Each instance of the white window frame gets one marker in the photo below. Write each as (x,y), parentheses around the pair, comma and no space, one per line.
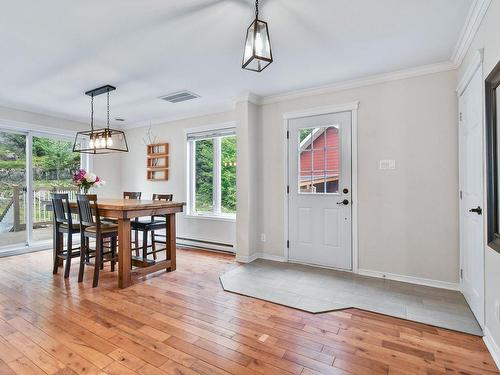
(216,213)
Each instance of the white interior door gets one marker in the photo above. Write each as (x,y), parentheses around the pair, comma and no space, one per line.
(319,151)
(471,195)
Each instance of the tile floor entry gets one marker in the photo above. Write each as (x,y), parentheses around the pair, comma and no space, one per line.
(319,290)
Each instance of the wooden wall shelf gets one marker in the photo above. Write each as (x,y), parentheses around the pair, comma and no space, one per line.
(157,162)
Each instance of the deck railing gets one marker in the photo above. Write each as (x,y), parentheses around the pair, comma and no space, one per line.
(42,205)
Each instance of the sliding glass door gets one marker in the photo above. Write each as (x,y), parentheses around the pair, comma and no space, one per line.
(32,167)
(53,165)
(12,189)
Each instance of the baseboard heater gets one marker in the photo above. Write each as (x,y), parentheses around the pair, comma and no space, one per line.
(202,244)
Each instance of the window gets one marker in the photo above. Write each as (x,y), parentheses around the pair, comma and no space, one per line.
(212,173)
(319,160)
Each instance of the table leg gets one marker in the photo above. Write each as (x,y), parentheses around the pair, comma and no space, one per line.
(171,246)
(124,253)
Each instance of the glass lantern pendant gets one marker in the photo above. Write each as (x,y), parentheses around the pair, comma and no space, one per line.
(104,140)
(258,54)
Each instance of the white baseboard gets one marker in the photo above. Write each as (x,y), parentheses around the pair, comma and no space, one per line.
(259,255)
(410,279)
(205,245)
(492,346)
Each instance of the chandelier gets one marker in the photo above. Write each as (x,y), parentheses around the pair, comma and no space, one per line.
(258,54)
(104,140)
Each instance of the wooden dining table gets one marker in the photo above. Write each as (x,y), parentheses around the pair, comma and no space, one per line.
(123,210)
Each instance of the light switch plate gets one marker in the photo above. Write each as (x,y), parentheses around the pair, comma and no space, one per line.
(387,164)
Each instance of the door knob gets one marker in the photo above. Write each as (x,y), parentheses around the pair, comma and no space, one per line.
(345,202)
(477,210)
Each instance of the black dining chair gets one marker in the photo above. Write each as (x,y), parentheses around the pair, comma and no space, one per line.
(92,227)
(63,225)
(152,225)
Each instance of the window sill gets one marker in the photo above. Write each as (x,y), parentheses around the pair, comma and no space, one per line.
(227,218)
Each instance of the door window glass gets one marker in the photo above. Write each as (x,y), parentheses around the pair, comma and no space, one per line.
(319,160)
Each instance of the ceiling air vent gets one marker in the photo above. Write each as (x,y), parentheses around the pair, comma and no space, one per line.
(180,96)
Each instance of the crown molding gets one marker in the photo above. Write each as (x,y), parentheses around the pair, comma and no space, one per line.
(180,117)
(361,82)
(476,14)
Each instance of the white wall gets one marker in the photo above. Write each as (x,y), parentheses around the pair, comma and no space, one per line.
(133,174)
(487,37)
(408,218)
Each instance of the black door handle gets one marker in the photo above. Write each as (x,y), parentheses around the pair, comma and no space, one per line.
(477,210)
(345,202)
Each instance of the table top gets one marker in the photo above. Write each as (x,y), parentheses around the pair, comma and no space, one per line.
(120,204)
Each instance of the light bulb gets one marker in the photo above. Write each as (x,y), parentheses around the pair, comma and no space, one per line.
(91,143)
(109,141)
(98,142)
(259,45)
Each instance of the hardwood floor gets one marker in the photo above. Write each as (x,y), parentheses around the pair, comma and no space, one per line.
(184,323)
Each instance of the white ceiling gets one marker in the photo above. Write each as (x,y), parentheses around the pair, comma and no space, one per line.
(54,50)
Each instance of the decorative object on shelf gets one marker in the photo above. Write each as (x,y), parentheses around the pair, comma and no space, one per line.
(85,180)
(258,54)
(104,140)
(151,139)
(157,162)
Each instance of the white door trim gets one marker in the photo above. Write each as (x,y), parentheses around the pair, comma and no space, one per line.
(346,107)
(475,65)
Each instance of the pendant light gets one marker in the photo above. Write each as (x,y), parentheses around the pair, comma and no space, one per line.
(258,54)
(100,141)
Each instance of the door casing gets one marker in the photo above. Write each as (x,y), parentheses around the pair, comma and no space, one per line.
(346,107)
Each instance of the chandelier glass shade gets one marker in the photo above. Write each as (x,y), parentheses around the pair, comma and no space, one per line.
(104,140)
(258,54)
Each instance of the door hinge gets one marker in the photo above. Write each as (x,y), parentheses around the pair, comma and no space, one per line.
(287,244)
(288,189)
(288,134)
(460,194)
(460,117)
(461,273)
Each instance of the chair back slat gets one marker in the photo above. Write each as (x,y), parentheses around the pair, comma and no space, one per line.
(162,197)
(87,208)
(132,195)
(62,211)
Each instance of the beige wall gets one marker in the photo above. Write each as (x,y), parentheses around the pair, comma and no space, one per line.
(408,218)
(133,174)
(487,37)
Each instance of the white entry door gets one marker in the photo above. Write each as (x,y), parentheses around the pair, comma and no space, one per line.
(471,195)
(319,149)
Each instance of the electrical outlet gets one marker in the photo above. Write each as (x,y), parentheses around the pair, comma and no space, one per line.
(263,237)
(497,311)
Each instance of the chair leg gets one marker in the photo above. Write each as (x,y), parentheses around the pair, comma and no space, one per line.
(87,245)
(102,249)
(136,242)
(56,252)
(98,260)
(153,244)
(83,257)
(69,251)
(145,245)
(113,253)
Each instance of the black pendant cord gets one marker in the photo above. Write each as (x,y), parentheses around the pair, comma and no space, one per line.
(92,114)
(256,9)
(108,111)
